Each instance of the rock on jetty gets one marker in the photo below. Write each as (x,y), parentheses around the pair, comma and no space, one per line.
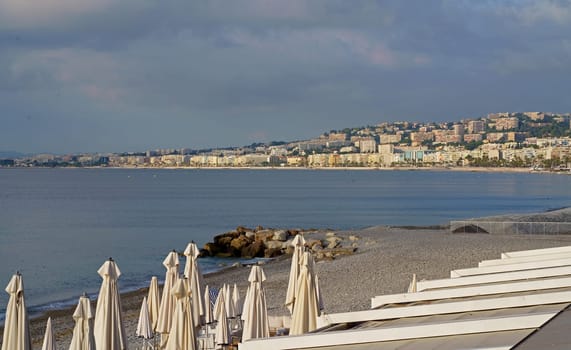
(270,243)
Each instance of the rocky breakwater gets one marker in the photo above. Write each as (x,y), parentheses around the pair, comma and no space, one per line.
(270,243)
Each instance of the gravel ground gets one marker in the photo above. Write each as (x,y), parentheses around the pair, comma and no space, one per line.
(383,264)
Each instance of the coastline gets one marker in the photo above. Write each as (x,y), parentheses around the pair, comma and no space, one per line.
(384,262)
(400,168)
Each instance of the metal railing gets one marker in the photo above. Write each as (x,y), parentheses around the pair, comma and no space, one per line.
(511,227)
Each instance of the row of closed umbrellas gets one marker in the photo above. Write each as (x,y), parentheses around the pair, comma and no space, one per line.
(183,309)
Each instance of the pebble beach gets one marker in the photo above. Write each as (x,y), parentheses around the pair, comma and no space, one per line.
(385,259)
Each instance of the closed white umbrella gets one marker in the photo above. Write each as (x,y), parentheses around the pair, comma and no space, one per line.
(153,302)
(237,301)
(317,289)
(182,335)
(412,286)
(222,335)
(298,244)
(230,311)
(255,314)
(144,329)
(83,338)
(208,317)
(49,342)
(196,281)
(16,324)
(168,301)
(306,307)
(108,329)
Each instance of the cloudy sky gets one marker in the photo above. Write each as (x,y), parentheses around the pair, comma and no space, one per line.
(132,75)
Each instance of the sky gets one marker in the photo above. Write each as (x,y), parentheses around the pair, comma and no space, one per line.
(133,75)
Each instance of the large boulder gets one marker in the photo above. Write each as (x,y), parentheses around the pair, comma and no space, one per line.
(280,235)
(264,235)
(254,250)
(293,232)
(311,242)
(332,242)
(274,245)
(272,252)
(224,239)
(243,230)
(239,243)
(211,249)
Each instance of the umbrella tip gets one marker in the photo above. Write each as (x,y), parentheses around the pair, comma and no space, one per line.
(18,273)
(110,259)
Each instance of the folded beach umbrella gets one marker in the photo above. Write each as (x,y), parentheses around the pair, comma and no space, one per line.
(108,329)
(16,324)
(222,335)
(196,281)
(168,301)
(255,314)
(412,285)
(144,329)
(306,308)
(182,335)
(317,289)
(153,302)
(230,311)
(208,317)
(298,244)
(83,338)
(237,301)
(49,342)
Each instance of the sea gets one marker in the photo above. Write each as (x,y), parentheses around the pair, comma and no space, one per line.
(58,226)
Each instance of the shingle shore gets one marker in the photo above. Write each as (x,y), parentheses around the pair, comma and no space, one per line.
(384,263)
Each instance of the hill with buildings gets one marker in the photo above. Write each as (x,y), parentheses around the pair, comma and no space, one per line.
(537,140)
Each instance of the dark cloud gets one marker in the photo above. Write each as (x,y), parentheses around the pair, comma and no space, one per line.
(112,75)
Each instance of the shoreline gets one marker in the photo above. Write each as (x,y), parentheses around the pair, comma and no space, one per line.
(383,263)
(44,314)
(403,168)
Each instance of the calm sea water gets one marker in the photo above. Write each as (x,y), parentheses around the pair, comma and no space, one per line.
(57,226)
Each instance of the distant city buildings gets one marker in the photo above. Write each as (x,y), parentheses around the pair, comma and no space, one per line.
(528,139)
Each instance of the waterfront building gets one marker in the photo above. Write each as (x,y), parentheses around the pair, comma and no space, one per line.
(368,145)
